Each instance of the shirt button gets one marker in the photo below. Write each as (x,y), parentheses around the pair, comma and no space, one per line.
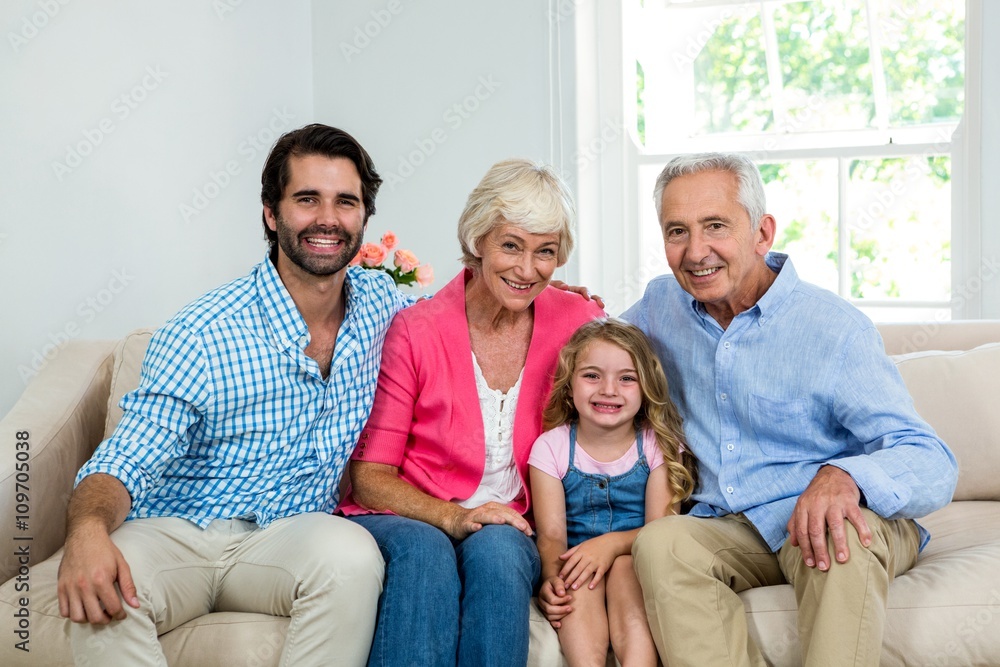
(730,447)
(723,396)
(729,489)
(726,345)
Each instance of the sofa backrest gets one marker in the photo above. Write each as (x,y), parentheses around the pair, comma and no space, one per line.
(954,390)
(129,354)
(906,338)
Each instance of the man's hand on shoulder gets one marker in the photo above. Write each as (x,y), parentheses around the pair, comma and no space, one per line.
(90,567)
(831,498)
(578,289)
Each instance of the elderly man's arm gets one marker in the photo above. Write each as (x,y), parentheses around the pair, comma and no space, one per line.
(906,471)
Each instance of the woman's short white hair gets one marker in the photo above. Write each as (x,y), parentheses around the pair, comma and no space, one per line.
(751,187)
(521,193)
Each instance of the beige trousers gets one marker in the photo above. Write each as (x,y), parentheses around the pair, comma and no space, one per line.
(324,572)
(691,570)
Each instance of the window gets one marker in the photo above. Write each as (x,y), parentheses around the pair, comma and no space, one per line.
(848,106)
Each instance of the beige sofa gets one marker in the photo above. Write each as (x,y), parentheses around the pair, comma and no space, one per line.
(946,611)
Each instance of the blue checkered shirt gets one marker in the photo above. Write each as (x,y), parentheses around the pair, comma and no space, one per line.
(231,419)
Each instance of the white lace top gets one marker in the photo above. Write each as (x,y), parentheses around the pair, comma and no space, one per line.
(500,482)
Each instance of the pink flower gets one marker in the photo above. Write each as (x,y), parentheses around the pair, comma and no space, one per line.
(389,240)
(425,275)
(405,260)
(372,254)
(357,259)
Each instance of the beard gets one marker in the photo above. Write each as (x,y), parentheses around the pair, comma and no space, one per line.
(292,245)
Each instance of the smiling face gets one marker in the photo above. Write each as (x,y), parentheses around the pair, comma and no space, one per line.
(320,217)
(517,265)
(714,253)
(605,387)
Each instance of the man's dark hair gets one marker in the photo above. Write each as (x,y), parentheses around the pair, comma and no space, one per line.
(315,139)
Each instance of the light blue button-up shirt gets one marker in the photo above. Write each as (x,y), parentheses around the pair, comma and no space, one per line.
(231,419)
(798,381)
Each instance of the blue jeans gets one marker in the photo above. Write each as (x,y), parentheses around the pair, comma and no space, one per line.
(448,602)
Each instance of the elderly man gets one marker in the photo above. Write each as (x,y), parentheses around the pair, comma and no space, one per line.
(812,462)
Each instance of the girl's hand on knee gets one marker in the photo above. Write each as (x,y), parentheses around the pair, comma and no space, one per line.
(589,561)
(554,600)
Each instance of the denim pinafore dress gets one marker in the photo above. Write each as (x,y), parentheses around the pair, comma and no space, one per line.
(598,504)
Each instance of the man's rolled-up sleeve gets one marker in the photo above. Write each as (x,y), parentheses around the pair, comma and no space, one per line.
(174,389)
(907,471)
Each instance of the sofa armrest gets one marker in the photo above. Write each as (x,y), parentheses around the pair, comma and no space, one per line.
(62,410)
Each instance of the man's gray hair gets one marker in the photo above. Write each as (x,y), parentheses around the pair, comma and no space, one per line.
(751,187)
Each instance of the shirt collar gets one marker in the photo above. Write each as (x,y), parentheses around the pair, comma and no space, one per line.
(784,284)
(281,315)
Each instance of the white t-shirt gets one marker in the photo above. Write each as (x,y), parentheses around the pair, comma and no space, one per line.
(501,482)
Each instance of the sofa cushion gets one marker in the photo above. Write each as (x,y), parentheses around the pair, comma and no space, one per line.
(129,354)
(956,393)
(943,611)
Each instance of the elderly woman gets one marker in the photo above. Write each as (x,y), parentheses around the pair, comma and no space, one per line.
(440,475)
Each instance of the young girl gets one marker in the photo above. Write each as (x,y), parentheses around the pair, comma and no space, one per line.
(611,460)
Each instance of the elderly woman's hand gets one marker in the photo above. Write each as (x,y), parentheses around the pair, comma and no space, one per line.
(464,521)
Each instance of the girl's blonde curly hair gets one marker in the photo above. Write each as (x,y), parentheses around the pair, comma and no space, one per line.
(657,411)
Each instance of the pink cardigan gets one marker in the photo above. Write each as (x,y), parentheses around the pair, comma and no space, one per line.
(426,419)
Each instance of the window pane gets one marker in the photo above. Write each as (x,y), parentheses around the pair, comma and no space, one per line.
(730,76)
(802,196)
(899,213)
(825,65)
(923,55)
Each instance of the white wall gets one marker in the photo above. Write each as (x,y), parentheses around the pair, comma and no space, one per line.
(989,177)
(437,92)
(99,247)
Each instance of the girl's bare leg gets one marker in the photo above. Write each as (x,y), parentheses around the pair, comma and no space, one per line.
(630,637)
(584,632)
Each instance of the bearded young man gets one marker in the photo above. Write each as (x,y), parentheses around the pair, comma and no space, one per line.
(215,492)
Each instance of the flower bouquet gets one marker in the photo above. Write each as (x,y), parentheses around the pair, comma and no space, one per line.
(406,268)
